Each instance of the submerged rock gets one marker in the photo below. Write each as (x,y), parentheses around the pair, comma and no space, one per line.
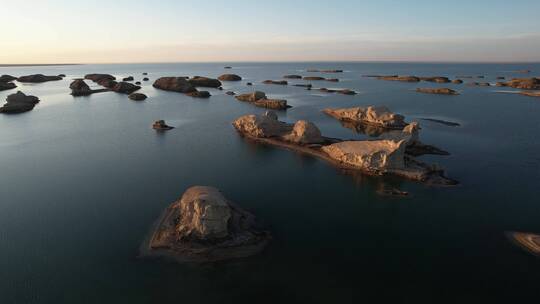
(203,226)
(205,82)
(441,91)
(137,96)
(175,84)
(7,86)
(378,116)
(230,77)
(19,103)
(160,125)
(7,78)
(38,78)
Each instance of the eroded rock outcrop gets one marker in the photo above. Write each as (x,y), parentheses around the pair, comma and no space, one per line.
(440,91)
(529,93)
(19,103)
(378,116)
(457,81)
(230,77)
(199,94)
(129,78)
(38,78)
(99,77)
(382,156)
(259,99)
(203,226)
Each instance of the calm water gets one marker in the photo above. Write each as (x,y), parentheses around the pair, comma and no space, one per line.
(83,179)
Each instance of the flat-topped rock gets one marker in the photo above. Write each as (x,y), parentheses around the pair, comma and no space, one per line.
(7,86)
(205,82)
(137,96)
(229,77)
(160,125)
(175,84)
(259,99)
(367,155)
(38,78)
(400,78)
(292,77)
(19,103)
(7,78)
(99,77)
(277,82)
(203,226)
(523,83)
(440,91)
(379,116)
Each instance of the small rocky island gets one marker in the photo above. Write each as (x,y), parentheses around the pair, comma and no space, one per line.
(259,99)
(160,125)
(204,226)
(38,78)
(19,103)
(392,155)
(439,91)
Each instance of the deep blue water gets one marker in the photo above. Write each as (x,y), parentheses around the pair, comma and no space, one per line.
(83,179)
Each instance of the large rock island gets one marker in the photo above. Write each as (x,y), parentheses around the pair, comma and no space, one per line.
(203,226)
(376,157)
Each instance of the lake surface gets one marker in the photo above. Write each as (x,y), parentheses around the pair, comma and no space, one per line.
(83,179)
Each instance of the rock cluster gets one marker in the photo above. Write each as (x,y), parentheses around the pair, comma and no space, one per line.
(38,78)
(204,226)
(259,99)
(437,79)
(400,78)
(378,116)
(19,103)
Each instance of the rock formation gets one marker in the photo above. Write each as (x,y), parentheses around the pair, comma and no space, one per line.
(259,99)
(437,79)
(457,81)
(80,88)
(400,78)
(383,156)
(125,88)
(137,96)
(129,78)
(324,71)
(527,241)
(278,82)
(7,86)
(529,93)
(249,84)
(145,79)
(523,83)
(99,77)
(377,116)
(314,78)
(441,91)
(7,78)
(343,91)
(199,94)
(160,125)
(38,78)
(292,77)
(230,93)
(175,84)
(205,82)
(230,77)
(203,226)
(19,103)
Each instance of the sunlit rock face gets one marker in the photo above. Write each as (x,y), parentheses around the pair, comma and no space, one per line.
(379,116)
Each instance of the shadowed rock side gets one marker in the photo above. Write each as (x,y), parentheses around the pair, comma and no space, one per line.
(522,83)
(527,241)
(377,116)
(203,226)
(440,91)
(38,78)
(259,99)
(7,78)
(19,103)
(443,122)
(230,77)
(80,88)
(386,156)
(7,86)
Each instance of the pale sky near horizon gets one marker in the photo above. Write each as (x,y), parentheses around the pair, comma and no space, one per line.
(64,31)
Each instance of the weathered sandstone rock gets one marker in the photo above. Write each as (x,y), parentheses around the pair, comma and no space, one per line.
(304,132)
(441,91)
(19,103)
(523,83)
(261,126)
(38,78)
(204,226)
(230,77)
(529,93)
(251,97)
(378,116)
(175,84)
(457,81)
(259,99)
(366,155)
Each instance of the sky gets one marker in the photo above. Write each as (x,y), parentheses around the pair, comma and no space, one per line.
(97,31)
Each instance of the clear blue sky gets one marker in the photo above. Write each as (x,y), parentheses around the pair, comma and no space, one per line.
(213,30)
